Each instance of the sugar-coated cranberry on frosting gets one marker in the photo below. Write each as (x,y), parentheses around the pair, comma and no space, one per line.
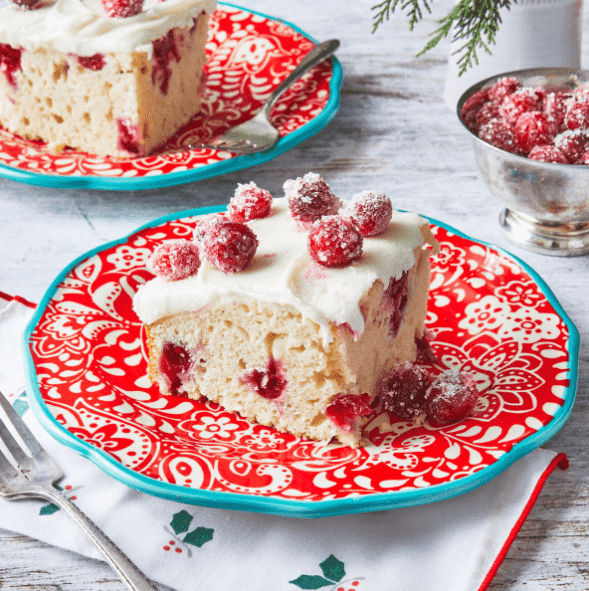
(334,241)
(309,198)
(230,246)
(249,202)
(121,8)
(205,224)
(371,211)
(174,260)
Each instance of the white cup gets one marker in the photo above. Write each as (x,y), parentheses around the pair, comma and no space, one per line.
(533,34)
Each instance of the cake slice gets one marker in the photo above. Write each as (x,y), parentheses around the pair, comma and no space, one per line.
(289,342)
(105,85)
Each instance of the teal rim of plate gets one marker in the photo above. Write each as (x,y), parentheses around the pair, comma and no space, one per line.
(202,172)
(286,507)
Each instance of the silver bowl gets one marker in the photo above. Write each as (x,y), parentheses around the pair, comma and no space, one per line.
(547,204)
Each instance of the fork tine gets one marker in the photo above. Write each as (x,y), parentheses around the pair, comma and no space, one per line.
(11,443)
(7,470)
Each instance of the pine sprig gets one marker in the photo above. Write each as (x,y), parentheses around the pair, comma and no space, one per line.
(475,22)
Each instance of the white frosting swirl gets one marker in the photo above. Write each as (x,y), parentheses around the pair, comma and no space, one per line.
(282,272)
(79,27)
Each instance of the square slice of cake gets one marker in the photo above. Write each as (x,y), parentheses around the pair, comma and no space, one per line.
(74,77)
(288,341)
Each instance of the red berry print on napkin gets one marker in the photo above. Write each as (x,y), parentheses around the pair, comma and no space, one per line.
(333,573)
(180,524)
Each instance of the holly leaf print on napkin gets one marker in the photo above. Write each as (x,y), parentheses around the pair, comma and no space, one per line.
(333,571)
(180,524)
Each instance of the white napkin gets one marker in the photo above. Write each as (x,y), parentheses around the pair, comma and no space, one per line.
(455,544)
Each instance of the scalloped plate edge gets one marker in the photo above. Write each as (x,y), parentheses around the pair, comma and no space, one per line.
(285,507)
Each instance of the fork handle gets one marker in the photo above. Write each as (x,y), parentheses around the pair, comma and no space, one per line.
(133,578)
(314,57)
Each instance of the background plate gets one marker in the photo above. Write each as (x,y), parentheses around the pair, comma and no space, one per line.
(248,55)
(488,312)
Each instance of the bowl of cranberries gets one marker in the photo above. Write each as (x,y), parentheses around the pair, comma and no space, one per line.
(530,131)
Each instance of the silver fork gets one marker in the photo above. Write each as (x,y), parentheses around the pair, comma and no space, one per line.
(258,134)
(34,477)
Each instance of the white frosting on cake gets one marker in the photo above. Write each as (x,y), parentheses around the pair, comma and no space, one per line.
(283,273)
(79,27)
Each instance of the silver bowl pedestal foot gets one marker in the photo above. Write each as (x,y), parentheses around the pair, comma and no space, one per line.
(559,239)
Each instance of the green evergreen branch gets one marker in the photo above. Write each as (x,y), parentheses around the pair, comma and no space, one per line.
(475,22)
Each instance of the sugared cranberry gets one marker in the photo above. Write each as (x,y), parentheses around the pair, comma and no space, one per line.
(532,129)
(121,8)
(395,298)
(26,4)
(249,203)
(309,198)
(230,246)
(554,106)
(334,241)
(402,391)
(175,260)
(204,225)
(577,115)
(371,212)
(572,144)
(521,101)
(584,159)
(503,88)
(500,134)
(344,410)
(472,105)
(10,63)
(174,364)
(269,383)
(92,62)
(450,398)
(164,51)
(486,113)
(547,153)
(129,137)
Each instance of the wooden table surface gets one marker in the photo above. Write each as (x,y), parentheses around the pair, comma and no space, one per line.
(393,133)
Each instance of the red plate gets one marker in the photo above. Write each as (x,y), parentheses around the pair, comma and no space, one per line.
(488,314)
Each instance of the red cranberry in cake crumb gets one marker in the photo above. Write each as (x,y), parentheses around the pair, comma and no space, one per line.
(577,115)
(128,137)
(249,203)
(371,212)
(503,88)
(309,198)
(402,391)
(10,63)
(164,51)
(174,364)
(532,129)
(269,383)
(344,410)
(521,101)
(450,398)
(121,8)
(91,62)
(395,298)
(547,153)
(230,246)
(500,134)
(205,223)
(572,144)
(334,241)
(26,4)
(175,260)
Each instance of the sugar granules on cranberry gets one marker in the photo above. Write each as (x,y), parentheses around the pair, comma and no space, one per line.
(121,8)
(371,212)
(230,246)
(309,198)
(344,410)
(502,88)
(519,102)
(572,143)
(402,391)
(533,129)
(334,241)
(249,203)
(174,260)
(450,398)
(205,224)
(547,153)
(500,134)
